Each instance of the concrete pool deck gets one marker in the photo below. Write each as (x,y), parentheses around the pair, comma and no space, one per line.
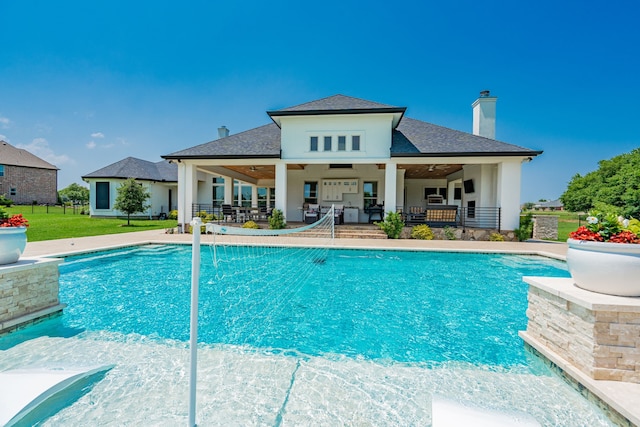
(625,395)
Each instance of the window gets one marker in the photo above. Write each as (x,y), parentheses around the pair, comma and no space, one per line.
(241,194)
(262,197)
(370,189)
(439,191)
(102,195)
(313,143)
(340,166)
(13,192)
(471,209)
(218,191)
(355,143)
(457,193)
(1,170)
(342,143)
(327,143)
(311,192)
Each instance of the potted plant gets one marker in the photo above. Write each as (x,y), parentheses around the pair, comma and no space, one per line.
(13,237)
(604,255)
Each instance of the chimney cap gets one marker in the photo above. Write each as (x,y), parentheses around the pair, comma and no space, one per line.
(484,93)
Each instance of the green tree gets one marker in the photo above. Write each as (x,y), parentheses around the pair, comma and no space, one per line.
(615,183)
(75,193)
(131,198)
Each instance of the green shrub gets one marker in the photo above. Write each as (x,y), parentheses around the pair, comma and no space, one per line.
(392,225)
(496,237)
(173,214)
(525,231)
(276,220)
(209,218)
(5,201)
(449,233)
(634,226)
(422,232)
(203,214)
(250,224)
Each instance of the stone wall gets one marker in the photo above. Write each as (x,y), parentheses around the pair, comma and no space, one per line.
(602,341)
(28,288)
(545,227)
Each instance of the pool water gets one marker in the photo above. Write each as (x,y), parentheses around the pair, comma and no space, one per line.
(290,335)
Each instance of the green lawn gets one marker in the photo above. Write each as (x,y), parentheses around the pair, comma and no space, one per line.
(54,222)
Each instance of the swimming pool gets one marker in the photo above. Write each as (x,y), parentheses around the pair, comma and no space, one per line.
(359,337)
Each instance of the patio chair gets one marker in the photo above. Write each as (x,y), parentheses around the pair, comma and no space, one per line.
(312,214)
(228,213)
(338,214)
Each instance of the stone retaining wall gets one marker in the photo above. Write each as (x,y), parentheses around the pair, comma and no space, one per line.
(28,287)
(600,338)
(545,227)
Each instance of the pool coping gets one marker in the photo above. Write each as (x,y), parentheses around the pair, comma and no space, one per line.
(607,391)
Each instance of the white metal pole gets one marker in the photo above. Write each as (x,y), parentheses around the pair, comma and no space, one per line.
(195,279)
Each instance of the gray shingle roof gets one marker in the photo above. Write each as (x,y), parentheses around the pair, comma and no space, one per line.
(337,102)
(138,169)
(410,138)
(417,138)
(10,155)
(263,141)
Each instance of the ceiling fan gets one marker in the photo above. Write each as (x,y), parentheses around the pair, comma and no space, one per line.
(439,167)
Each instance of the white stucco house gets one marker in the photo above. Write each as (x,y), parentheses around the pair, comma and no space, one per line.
(159,179)
(362,155)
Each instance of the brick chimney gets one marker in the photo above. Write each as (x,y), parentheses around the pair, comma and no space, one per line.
(484,115)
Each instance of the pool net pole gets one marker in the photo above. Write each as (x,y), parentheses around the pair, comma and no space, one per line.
(193,345)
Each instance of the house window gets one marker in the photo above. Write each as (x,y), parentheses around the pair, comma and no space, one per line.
(438,191)
(471,209)
(311,192)
(355,143)
(457,193)
(327,143)
(241,194)
(342,143)
(1,170)
(13,192)
(102,195)
(262,197)
(218,191)
(370,189)
(313,143)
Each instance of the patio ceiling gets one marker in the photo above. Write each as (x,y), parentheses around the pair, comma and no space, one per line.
(427,171)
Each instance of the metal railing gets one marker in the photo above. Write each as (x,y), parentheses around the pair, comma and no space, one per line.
(465,217)
(480,217)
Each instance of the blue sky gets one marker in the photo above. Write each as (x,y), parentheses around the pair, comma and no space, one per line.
(85,84)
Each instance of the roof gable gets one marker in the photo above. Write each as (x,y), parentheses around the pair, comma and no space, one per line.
(132,167)
(10,155)
(337,102)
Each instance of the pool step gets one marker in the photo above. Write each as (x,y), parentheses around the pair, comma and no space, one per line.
(363,231)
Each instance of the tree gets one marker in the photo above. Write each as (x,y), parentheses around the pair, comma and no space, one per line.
(615,183)
(75,193)
(131,198)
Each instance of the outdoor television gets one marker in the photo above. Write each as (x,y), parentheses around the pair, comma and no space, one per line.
(468,186)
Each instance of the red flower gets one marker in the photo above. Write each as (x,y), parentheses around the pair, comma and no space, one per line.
(583,233)
(624,237)
(16,220)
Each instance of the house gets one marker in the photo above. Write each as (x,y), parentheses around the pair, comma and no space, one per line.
(159,179)
(26,178)
(363,155)
(549,205)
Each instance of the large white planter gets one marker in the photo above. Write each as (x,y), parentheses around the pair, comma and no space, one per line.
(13,240)
(606,268)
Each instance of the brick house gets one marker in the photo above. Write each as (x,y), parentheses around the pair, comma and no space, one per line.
(26,178)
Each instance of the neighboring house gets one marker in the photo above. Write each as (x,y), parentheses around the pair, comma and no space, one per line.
(553,205)
(160,180)
(360,154)
(26,178)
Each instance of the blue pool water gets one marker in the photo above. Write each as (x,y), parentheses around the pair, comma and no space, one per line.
(396,305)
(298,336)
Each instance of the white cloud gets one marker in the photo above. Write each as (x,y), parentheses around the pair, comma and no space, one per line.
(91,145)
(4,122)
(40,147)
(4,138)
(97,135)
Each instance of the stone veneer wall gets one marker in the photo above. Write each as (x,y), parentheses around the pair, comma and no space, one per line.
(604,344)
(545,227)
(26,288)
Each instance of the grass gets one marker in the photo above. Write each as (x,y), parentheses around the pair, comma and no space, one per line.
(55,222)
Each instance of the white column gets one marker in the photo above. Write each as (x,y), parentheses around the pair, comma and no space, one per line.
(509,193)
(281,187)
(228,190)
(182,194)
(390,180)
(254,196)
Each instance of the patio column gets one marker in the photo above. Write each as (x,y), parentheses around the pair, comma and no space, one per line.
(228,190)
(254,196)
(390,181)
(281,188)
(509,194)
